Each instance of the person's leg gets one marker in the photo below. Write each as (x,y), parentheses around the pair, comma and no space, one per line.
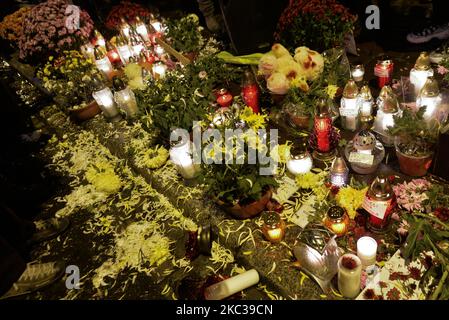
(12,266)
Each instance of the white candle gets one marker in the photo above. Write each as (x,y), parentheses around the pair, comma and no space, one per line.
(431,104)
(181,156)
(300,166)
(418,78)
(126,100)
(105,66)
(105,101)
(159,70)
(228,287)
(349,275)
(349,112)
(357,74)
(367,250)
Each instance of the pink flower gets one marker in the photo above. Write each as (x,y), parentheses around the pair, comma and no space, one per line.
(442,70)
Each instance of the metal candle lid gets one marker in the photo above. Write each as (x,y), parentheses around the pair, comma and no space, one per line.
(339,165)
(118,84)
(423,61)
(335,212)
(365,92)
(430,88)
(271,219)
(390,104)
(351,90)
(385,92)
(381,189)
(205,239)
(98,53)
(364,140)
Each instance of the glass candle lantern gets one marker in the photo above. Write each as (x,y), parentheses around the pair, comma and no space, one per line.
(102,62)
(142,30)
(420,72)
(349,109)
(339,172)
(99,40)
(337,220)
(384,93)
(367,250)
(380,203)
(125,28)
(123,49)
(322,125)
(383,70)
(125,98)
(113,54)
(273,227)
(159,70)
(158,50)
(357,72)
(105,99)
(224,98)
(365,104)
(250,91)
(136,43)
(364,152)
(385,119)
(181,156)
(349,275)
(430,98)
(300,162)
(157,26)
(88,51)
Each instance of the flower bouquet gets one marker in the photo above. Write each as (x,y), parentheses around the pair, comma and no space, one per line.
(11,25)
(46,29)
(318,24)
(68,77)
(128,11)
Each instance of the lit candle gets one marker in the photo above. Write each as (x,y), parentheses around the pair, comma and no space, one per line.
(299,163)
(125,98)
(357,73)
(125,28)
(420,72)
(158,50)
(337,220)
(349,109)
(159,69)
(349,275)
(385,119)
(366,250)
(99,39)
(102,62)
(224,98)
(181,156)
(429,97)
(88,51)
(141,29)
(274,227)
(339,172)
(105,99)
(228,287)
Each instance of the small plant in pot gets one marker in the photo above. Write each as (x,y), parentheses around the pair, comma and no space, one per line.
(232,169)
(415,141)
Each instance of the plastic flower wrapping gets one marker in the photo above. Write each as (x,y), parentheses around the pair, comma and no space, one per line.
(45,29)
(127,10)
(11,26)
(283,71)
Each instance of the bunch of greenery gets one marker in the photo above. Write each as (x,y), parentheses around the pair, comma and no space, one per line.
(233,182)
(185,34)
(186,95)
(417,136)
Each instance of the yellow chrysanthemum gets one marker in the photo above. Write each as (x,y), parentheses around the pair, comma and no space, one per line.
(331,90)
(351,199)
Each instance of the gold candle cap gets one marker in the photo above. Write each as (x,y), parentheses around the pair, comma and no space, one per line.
(390,104)
(381,188)
(430,88)
(385,92)
(99,53)
(423,61)
(365,93)
(351,90)
(339,165)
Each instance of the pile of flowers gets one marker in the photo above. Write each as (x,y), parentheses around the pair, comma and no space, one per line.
(45,29)
(68,76)
(282,71)
(318,24)
(11,26)
(128,11)
(411,196)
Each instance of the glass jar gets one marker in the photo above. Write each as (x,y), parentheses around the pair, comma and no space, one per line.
(337,220)
(349,275)
(273,228)
(364,152)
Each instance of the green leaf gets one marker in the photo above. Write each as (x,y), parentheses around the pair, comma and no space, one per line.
(410,245)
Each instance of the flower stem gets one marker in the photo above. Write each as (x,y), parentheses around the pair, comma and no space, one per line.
(440,286)
(432,219)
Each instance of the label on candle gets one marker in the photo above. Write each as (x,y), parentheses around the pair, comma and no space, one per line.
(346,112)
(364,158)
(376,208)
